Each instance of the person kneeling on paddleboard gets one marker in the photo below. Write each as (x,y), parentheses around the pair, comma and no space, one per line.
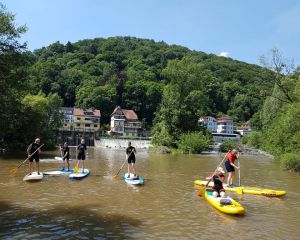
(218,178)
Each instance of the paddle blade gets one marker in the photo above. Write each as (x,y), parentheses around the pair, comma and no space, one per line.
(76,169)
(202,192)
(13,170)
(114,177)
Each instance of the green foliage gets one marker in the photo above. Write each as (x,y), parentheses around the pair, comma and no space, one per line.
(194,142)
(283,135)
(290,161)
(254,139)
(228,145)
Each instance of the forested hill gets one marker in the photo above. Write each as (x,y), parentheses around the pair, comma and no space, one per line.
(133,73)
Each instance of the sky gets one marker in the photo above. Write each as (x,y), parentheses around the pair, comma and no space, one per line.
(240,29)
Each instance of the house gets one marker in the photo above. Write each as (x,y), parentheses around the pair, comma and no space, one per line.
(221,128)
(79,123)
(224,125)
(68,118)
(244,129)
(86,120)
(124,122)
(209,122)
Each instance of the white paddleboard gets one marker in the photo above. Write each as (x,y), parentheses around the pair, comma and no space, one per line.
(58,172)
(60,159)
(80,174)
(34,176)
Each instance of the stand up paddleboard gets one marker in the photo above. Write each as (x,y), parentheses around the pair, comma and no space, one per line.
(34,176)
(224,204)
(80,174)
(138,180)
(247,190)
(58,172)
(60,159)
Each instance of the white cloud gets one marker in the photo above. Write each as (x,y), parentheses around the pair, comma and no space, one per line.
(224,54)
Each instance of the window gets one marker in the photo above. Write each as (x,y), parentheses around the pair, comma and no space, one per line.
(87,125)
(78,118)
(95,125)
(78,125)
(66,125)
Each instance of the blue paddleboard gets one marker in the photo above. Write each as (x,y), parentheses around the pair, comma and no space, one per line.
(80,174)
(138,180)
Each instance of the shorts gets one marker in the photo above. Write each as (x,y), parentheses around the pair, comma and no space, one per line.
(229,167)
(217,189)
(66,158)
(36,158)
(131,160)
(81,156)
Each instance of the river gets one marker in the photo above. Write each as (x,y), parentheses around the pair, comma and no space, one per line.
(166,207)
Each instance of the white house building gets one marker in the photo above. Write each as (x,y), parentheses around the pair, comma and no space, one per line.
(124,122)
(209,122)
(224,125)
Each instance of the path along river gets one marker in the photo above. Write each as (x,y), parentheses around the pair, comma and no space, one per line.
(166,207)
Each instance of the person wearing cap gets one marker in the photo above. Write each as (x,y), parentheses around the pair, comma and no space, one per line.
(230,166)
(34,155)
(130,153)
(218,178)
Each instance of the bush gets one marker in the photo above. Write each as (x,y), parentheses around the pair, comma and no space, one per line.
(194,142)
(254,139)
(290,161)
(228,145)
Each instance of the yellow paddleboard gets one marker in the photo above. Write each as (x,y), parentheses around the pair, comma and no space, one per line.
(248,190)
(224,204)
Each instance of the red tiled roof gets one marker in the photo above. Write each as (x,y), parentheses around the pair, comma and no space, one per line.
(87,112)
(129,114)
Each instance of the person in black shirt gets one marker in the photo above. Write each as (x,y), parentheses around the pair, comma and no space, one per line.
(34,155)
(65,152)
(130,153)
(218,178)
(81,153)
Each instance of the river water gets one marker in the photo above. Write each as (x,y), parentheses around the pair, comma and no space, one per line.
(166,207)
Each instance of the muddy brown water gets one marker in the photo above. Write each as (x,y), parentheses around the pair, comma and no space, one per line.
(166,207)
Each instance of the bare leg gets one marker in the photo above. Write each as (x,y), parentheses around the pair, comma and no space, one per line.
(128,167)
(232,177)
(30,167)
(68,164)
(82,166)
(229,178)
(133,168)
(38,167)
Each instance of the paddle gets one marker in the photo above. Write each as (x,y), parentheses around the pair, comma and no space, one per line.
(114,177)
(15,169)
(203,189)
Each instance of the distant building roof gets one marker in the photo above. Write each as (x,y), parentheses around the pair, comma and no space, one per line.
(129,114)
(87,112)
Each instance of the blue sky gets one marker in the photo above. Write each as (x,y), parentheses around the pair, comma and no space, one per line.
(240,29)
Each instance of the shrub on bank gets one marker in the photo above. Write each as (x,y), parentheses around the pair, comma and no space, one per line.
(194,142)
(228,145)
(254,139)
(290,161)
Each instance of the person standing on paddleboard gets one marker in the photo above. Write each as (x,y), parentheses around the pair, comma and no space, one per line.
(30,150)
(81,153)
(65,155)
(230,166)
(130,153)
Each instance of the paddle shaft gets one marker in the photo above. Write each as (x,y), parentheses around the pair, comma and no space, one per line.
(239,165)
(123,163)
(29,156)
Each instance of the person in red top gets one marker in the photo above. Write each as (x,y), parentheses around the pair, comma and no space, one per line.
(230,166)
